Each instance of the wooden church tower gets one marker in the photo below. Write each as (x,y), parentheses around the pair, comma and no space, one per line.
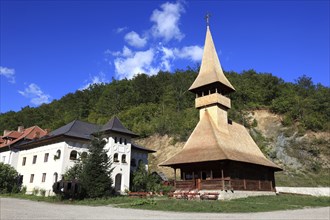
(219,154)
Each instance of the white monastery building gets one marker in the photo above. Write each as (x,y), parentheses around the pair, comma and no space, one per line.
(42,158)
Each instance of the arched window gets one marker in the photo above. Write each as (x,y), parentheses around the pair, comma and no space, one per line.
(57,155)
(116,140)
(115,157)
(120,141)
(133,162)
(73,155)
(83,155)
(123,158)
(125,141)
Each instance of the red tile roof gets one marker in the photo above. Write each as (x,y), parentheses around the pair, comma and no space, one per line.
(13,137)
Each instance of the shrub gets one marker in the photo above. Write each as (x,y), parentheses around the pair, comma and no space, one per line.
(42,192)
(10,181)
(35,191)
(142,181)
(23,190)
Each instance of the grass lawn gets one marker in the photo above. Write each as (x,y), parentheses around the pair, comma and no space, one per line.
(250,204)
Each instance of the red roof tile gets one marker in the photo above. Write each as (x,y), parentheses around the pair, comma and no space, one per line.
(15,136)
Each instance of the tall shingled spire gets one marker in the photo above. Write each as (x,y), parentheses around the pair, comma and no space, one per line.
(210,73)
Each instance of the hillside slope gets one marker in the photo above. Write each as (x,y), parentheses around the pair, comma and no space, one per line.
(303,156)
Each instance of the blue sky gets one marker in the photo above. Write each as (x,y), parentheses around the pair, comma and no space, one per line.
(51,48)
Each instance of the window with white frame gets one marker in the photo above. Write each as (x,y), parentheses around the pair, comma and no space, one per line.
(73,155)
(115,157)
(31,178)
(46,157)
(24,161)
(123,158)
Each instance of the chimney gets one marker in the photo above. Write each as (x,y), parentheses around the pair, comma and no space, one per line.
(20,129)
(5,132)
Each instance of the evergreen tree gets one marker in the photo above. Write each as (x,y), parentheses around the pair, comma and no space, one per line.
(95,177)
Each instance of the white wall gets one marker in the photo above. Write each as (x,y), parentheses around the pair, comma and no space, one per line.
(61,165)
(9,157)
(120,167)
(50,167)
(5,157)
(312,191)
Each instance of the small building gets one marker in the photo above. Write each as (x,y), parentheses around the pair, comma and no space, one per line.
(219,154)
(43,161)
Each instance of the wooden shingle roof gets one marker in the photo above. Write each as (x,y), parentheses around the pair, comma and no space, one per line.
(211,71)
(208,143)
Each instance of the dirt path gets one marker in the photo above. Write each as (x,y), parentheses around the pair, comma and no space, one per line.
(24,209)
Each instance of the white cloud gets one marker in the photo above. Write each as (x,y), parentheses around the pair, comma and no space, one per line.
(121,29)
(167,21)
(36,95)
(194,53)
(165,26)
(8,73)
(168,55)
(125,53)
(138,62)
(134,39)
(97,79)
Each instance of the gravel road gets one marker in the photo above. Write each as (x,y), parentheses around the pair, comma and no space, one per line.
(23,209)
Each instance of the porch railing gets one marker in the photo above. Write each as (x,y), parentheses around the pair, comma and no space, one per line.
(225,184)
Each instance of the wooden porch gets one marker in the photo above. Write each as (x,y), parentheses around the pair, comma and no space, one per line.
(224,184)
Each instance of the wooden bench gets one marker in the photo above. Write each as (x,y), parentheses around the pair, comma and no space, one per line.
(191,195)
(177,195)
(138,194)
(210,196)
(183,195)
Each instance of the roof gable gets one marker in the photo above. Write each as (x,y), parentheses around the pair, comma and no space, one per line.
(115,125)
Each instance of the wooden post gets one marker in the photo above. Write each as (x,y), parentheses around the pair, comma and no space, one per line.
(211,175)
(223,179)
(199,184)
(244,184)
(259,185)
(175,174)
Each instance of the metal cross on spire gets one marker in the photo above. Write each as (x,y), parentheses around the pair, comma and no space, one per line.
(207,18)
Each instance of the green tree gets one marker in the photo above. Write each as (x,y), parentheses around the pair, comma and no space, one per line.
(95,177)
(142,181)
(9,179)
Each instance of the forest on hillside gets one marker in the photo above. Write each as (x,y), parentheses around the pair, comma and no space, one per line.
(161,103)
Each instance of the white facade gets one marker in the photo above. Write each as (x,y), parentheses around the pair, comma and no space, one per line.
(119,149)
(9,157)
(44,165)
